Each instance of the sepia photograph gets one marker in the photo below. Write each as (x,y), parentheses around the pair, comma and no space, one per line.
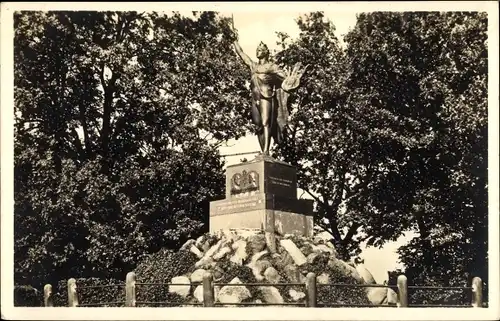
(162,158)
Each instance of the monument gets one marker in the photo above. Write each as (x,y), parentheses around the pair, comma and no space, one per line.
(262,193)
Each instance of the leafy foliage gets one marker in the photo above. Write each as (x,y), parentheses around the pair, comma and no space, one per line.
(164,265)
(324,142)
(422,78)
(112,111)
(389,135)
(27,296)
(91,291)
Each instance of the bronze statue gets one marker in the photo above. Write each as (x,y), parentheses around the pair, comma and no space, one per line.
(271,88)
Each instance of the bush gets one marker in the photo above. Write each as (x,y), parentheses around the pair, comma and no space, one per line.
(27,296)
(340,295)
(439,296)
(164,265)
(161,267)
(107,290)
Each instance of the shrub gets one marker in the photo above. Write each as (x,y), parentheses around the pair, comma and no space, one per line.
(101,291)
(161,267)
(439,296)
(27,296)
(164,265)
(343,295)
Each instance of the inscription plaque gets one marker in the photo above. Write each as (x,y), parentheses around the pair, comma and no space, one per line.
(280,181)
(238,205)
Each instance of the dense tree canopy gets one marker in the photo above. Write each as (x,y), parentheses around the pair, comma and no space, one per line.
(112,109)
(427,74)
(390,135)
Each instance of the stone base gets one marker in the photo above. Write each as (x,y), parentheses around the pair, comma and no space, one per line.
(267,212)
(262,194)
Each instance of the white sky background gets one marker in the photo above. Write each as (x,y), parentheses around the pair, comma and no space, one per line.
(262,26)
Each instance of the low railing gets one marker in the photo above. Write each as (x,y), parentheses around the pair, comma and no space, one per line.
(310,286)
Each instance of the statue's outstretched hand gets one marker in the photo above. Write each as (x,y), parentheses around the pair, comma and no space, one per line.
(292,79)
(233,29)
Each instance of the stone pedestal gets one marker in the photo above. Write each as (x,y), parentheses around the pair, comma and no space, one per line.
(262,194)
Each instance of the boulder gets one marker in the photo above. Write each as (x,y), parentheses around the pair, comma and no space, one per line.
(323,278)
(182,290)
(377,295)
(326,248)
(206,246)
(262,265)
(330,245)
(294,252)
(186,246)
(198,293)
(322,238)
(197,276)
(270,294)
(228,234)
(193,249)
(312,257)
(257,256)
(199,241)
(296,295)
(234,294)
(392,296)
(257,273)
(205,263)
(282,260)
(293,274)
(214,249)
(365,274)
(237,244)
(258,268)
(240,254)
(218,273)
(257,243)
(345,268)
(222,253)
(271,275)
(307,249)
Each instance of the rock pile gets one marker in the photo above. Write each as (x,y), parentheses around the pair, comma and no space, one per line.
(243,256)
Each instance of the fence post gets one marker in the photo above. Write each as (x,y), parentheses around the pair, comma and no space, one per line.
(130,290)
(47,296)
(208,290)
(72,293)
(402,291)
(477,292)
(311,290)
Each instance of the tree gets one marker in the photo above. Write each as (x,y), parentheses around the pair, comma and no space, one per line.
(112,109)
(389,135)
(425,76)
(326,142)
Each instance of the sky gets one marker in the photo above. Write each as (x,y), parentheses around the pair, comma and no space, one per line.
(252,29)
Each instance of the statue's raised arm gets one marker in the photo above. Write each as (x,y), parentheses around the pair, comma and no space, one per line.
(246,59)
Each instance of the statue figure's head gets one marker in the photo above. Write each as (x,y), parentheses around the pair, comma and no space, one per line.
(262,51)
